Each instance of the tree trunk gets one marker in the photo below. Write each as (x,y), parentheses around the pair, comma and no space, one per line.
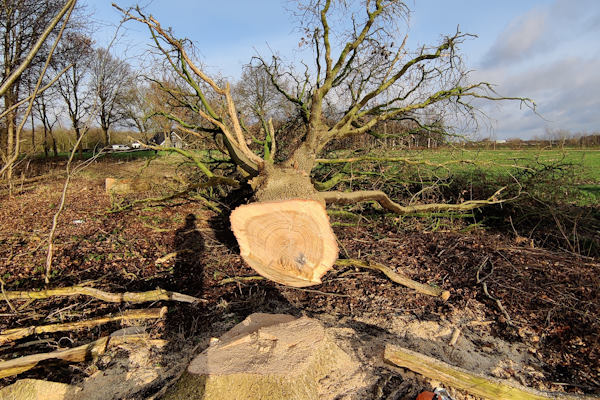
(32,134)
(285,235)
(54,146)
(45,142)
(80,146)
(11,125)
(106,135)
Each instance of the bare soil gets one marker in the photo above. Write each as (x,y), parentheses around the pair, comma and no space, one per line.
(538,324)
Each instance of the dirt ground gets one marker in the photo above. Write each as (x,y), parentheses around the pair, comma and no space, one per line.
(538,324)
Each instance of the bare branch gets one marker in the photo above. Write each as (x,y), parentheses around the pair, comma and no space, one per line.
(236,138)
(388,204)
(10,80)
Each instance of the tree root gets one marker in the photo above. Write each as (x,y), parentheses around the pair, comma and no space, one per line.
(476,384)
(132,297)
(392,275)
(19,333)
(335,197)
(398,278)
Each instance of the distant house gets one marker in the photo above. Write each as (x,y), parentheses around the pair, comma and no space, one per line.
(119,147)
(160,139)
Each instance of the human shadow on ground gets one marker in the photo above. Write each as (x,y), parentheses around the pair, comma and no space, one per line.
(188,271)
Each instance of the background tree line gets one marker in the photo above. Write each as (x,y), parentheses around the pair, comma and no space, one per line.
(87,88)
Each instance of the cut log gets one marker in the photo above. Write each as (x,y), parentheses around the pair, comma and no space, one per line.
(290,241)
(76,354)
(125,186)
(476,384)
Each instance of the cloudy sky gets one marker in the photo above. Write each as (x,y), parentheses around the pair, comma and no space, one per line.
(548,50)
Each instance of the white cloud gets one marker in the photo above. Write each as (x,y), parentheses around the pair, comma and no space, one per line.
(560,26)
(550,55)
(519,39)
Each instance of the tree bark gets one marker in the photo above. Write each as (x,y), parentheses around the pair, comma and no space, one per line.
(476,384)
(106,135)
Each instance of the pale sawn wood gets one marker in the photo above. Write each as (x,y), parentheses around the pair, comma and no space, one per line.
(289,241)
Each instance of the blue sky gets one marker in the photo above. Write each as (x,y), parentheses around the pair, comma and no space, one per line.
(548,50)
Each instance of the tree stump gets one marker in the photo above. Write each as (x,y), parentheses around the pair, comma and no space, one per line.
(289,241)
(35,389)
(275,357)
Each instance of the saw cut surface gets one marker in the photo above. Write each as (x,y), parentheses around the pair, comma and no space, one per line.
(289,241)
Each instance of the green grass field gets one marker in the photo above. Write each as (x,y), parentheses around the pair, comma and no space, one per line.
(587,162)
(571,174)
(579,169)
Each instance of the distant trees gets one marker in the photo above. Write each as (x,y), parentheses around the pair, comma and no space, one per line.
(48,116)
(138,108)
(76,51)
(25,27)
(112,82)
(564,137)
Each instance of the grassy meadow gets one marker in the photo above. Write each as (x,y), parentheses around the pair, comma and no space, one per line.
(574,171)
(586,161)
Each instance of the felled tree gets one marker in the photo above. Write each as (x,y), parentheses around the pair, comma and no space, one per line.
(367,78)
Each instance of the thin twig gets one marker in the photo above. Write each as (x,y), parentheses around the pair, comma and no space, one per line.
(485,290)
(235,279)
(5,297)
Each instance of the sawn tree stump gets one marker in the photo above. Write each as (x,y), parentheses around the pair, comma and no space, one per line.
(289,241)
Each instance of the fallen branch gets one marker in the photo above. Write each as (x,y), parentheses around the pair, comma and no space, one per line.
(404,160)
(396,277)
(214,181)
(19,333)
(76,354)
(13,309)
(132,297)
(476,384)
(412,161)
(335,197)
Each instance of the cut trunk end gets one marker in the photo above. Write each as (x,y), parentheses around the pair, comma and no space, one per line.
(290,241)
